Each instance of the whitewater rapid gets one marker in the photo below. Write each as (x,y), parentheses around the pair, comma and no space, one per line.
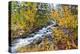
(39,35)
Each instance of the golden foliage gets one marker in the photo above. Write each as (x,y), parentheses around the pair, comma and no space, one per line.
(67,20)
(29,19)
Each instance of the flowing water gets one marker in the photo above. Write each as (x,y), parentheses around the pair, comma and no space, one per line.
(38,36)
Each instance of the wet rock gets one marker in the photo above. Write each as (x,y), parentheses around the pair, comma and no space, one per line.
(37,41)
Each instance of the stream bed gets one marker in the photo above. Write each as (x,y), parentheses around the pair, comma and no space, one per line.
(35,38)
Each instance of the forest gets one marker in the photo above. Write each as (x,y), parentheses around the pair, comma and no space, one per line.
(29,18)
